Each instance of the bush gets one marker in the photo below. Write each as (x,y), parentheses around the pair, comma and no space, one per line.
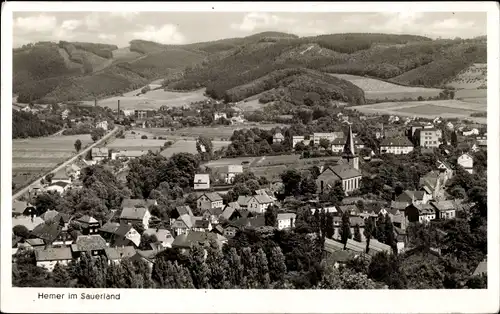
(144,137)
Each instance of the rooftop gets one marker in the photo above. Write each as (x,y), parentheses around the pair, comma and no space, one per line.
(134,213)
(283,216)
(85,243)
(115,253)
(53,254)
(129,202)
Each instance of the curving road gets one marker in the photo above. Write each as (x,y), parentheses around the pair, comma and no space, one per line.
(72,159)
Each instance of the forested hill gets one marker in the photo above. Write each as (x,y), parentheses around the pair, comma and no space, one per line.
(63,71)
(25,124)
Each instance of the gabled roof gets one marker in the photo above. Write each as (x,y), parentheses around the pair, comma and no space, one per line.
(444,205)
(85,243)
(375,247)
(110,227)
(184,210)
(285,216)
(18,207)
(344,171)
(134,213)
(47,232)
(201,223)
(243,200)
(216,211)
(332,246)
(115,253)
(356,246)
(163,235)
(353,221)
(482,268)
(396,142)
(195,237)
(186,220)
(130,202)
(122,230)
(262,199)
(399,205)
(349,208)
(53,254)
(278,135)
(201,178)
(87,220)
(212,196)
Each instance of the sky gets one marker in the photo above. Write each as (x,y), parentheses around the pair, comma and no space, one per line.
(188,27)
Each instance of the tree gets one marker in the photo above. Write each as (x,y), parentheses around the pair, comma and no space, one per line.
(235,268)
(357,233)
(204,147)
(271,215)
(291,180)
(199,269)
(262,269)
(454,139)
(345,278)
(368,232)
(277,266)
(78,145)
(21,231)
(324,143)
(308,185)
(144,137)
(48,178)
(97,133)
(345,228)
(330,229)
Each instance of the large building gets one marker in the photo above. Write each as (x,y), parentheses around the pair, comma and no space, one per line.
(465,160)
(329,136)
(346,172)
(141,114)
(397,146)
(428,137)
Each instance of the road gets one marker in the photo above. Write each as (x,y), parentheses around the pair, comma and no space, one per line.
(67,162)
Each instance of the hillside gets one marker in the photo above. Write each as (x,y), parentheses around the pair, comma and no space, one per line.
(226,67)
(470,78)
(25,125)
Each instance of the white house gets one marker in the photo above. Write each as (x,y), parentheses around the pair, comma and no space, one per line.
(201,181)
(65,114)
(474,131)
(136,211)
(449,125)
(286,220)
(465,160)
(218,115)
(102,124)
(278,137)
(59,187)
(397,146)
(213,199)
(296,140)
(49,257)
(232,171)
(259,203)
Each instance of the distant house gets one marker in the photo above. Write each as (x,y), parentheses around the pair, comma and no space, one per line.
(28,221)
(89,225)
(131,154)
(259,203)
(231,172)
(187,241)
(64,114)
(179,211)
(125,234)
(444,209)
(233,211)
(474,131)
(349,177)
(61,176)
(48,257)
(99,153)
(465,160)
(116,254)
(352,209)
(339,143)
(209,200)
(23,208)
(164,236)
(108,230)
(433,183)
(212,214)
(202,225)
(297,139)
(417,197)
(286,220)
(183,224)
(136,211)
(102,124)
(278,137)
(422,213)
(397,146)
(49,233)
(218,115)
(92,244)
(201,181)
(445,168)
(59,187)
(428,137)
(375,247)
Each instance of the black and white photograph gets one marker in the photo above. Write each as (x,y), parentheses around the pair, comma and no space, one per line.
(224,150)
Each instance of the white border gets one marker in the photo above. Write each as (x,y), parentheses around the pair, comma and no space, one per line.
(252,301)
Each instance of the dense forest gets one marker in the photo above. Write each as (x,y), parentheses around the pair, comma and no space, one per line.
(25,124)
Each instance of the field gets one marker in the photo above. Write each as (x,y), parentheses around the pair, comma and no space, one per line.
(470,78)
(219,132)
(377,89)
(135,142)
(189,146)
(151,100)
(33,156)
(427,109)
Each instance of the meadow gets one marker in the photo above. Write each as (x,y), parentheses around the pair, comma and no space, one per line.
(189,146)
(33,156)
(378,89)
(217,132)
(151,100)
(427,109)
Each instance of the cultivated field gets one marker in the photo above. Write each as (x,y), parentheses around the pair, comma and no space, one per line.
(427,109)
(134,142)
(151,100)
(189,146)
(377,89)
(33,156)
(471,78)
(219,132)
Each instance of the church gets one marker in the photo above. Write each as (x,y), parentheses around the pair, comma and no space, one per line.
(346,171)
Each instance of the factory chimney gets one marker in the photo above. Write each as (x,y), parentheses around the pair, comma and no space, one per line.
(118,108)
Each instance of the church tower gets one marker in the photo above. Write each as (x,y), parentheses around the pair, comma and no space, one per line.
(349,153)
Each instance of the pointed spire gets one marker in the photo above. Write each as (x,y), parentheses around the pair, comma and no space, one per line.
(349,151)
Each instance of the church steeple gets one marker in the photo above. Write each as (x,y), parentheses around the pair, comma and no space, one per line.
(349,152)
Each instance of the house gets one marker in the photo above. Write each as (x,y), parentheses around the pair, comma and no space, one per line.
(146,256)
(375,247)
(433,183)
(334,252)
(179,211)
(187,241)
(397,146)
(428,137)
(398,220)
(48,232)
(278,137)
(116,254)
(445,168)
(297,139)
(267,192)
(417,197)
(61,176)
(23,208)
(99,153)
(108,230)
(59,187)
(131,154)
(328,209)
(201,181)
(73,171)
(286,220)
(218,115)
(136,211)
(35,189)
(471,132)
(230,231)
(49,257)
(92,244)
(212,214)
(231,172)
(233,211)
(421,213)
(449,126)
(30,222)
(243,201)
(352,209)
(102,124)
(338,144)
(209,200)
(259,203)
(164,237)
(327,136)
(64,114)
(141,114)
(202,225)
(359,222)
(89,225)
(401,238)
(349,177)
(444,209)
(183,224)
(32,244)
(125,234)
(466,161)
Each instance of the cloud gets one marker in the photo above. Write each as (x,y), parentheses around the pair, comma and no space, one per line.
(71,24)
(166,34)
(40,23)
(128,15)
(92,21)
(107,36)
(256,20)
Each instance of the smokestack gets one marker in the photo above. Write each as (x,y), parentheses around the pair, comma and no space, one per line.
(118,108)
(95,102)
